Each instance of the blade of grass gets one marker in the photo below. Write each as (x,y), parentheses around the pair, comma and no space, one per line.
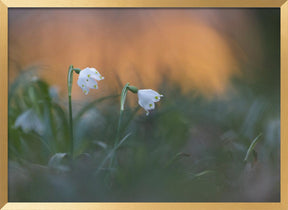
(112,153)
(122,140)
(130,118)
(251,147)
(202,173)
(176,157)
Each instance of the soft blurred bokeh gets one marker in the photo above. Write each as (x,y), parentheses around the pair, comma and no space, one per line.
(219,72)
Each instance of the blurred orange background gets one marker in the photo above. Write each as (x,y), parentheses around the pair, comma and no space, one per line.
(199,49)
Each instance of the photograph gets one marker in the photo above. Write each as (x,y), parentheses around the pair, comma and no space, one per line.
(144,105)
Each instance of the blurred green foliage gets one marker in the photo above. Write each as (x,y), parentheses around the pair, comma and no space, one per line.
(189,149)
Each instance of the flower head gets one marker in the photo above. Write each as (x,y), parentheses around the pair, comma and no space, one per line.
(88,78)
(147,99)
(29,121)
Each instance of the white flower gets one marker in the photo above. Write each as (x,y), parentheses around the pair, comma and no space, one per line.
(147,99)
(57,162)
(29,121)
(88,78)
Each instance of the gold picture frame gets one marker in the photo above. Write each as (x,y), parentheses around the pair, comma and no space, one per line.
(6,4)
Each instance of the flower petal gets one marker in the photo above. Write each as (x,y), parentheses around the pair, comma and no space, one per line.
(84,73)
(85,90)
(81,82)
(90,73)
(147,105)
(83,85)
(152,94)
(157,98)
(91,83)
(95,74)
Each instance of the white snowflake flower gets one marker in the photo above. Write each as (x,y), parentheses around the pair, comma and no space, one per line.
(29,121)
(88,78)
(147,99)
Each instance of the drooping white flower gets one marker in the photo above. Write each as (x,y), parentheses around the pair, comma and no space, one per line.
(147,99)
(29,121)
(57,162)
(88,78)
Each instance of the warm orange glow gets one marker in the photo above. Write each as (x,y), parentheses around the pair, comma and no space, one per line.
(138,46)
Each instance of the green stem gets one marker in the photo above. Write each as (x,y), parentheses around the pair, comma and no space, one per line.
(118,127)
(118,132)
(122,102)
(76,70)
(70,81)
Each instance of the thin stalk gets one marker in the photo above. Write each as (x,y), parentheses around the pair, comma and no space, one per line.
(251,147)
(111,153)
(122,102)
(131,117)
(118,132)
(70,81)
(118,127)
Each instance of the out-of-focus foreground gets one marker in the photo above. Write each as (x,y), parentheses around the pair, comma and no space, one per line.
(219,72)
